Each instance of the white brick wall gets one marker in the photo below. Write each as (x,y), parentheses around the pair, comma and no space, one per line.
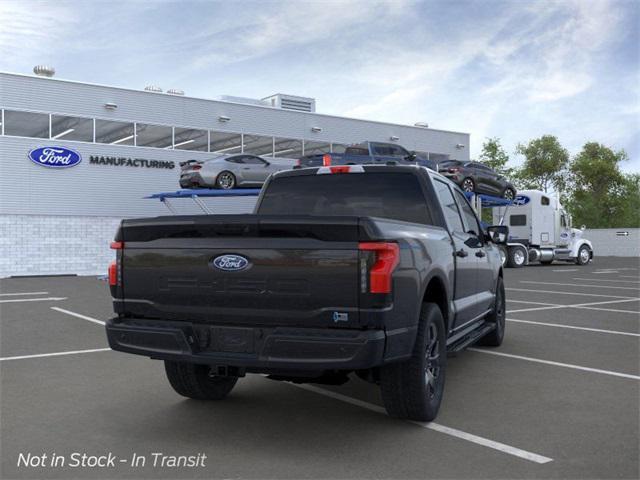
(54,245)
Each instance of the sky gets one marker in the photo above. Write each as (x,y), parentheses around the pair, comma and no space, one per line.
(515,70)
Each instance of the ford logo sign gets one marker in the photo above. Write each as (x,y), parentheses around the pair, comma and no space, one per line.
(55,157)
(521,200)
(230,263)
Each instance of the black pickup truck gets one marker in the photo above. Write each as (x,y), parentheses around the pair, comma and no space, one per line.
(377,270)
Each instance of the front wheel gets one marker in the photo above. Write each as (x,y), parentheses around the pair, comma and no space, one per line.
(226,180)
(497,317)
(197,381)
(584,255)
(413,389)
(508,194)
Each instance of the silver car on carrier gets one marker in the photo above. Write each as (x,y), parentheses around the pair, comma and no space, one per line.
(230,171)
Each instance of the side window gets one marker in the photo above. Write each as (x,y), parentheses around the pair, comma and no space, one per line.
(468,217)
(398,151)
(235,160)
(253,160)
(563,220)
(449,207)
(518,220)
(544,200)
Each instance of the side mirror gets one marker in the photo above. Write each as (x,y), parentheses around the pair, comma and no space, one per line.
(266,164)
(412,156)
(498,234)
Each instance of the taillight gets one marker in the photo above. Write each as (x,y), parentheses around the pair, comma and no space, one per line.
(453,170)
(387,257)
(298,163)
(113,274)
(196,167)
(117,245)
(326,160)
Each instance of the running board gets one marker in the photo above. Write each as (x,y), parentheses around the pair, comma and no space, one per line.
(471,338)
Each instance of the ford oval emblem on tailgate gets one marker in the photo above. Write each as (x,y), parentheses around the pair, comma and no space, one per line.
(230,263)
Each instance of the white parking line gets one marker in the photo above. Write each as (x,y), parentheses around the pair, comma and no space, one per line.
(48,299)
(605,280)
(597,330)
(56,354)
(567,270)
(557,364)
(534,303)
(469,437)
(581,285)
(23,293)
(588,306)
(579,294)
(628,276)
(605,272)
(74,314)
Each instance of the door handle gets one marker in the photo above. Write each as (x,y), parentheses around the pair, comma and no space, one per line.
(480,254)
(462,253)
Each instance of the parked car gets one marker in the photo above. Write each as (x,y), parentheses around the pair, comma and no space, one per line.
(231,171)
(368,153)
(478,178)
(377,270)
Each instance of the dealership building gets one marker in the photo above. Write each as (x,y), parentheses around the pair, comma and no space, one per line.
(127,144)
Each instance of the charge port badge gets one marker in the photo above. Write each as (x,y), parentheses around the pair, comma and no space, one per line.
(340,317)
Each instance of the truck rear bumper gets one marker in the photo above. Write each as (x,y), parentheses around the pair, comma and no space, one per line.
(256,348)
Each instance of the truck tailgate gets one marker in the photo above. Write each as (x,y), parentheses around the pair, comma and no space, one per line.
(299,271)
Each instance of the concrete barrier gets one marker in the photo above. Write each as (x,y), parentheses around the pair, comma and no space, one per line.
(614,242)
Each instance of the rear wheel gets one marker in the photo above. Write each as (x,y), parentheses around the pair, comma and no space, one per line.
(196,381)
(468,185)
(516,257)
(413,389)
(495,337)
(226,180)
(584,255)
(503,254)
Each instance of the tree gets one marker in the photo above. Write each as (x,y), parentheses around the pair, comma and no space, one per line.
(545,164)
(601,195)
(494,156)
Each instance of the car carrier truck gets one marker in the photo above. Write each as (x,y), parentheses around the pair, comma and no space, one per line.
(540,230)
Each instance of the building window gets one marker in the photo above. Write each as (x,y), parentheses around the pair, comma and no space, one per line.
(438,157)
(114,133)
(315,148)
(225,143)
(258,145)
(71,128)
(26,124)
(190,139)
(287,148)
(338,147)
(157,136)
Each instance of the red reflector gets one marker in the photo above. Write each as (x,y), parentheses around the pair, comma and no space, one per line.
(387,259)
(326,160)
(113,274)
(340,169)
(117,245)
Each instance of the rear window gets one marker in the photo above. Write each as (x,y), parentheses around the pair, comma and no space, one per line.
(388,195)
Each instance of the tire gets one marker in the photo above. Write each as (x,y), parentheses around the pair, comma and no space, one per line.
(509,194)
(516,257)
(504,254)
(468,185)
(497,316)
(226,180)
(193,381)
(406,391)
(584,255)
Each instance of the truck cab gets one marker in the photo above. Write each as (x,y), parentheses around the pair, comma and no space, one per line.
(541,230)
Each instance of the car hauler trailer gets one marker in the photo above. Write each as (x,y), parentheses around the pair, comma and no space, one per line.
(540,230)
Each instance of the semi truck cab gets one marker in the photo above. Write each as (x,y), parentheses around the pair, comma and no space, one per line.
(540,230)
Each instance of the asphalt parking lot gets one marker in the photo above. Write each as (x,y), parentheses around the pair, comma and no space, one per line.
(559,399)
